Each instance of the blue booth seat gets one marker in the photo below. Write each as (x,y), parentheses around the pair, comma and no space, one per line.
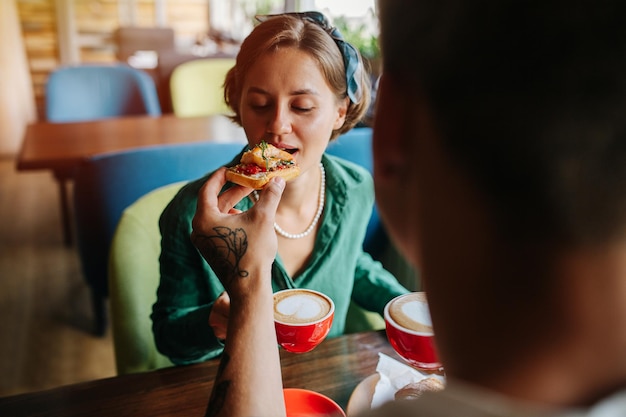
(106,184)
(356,146)
(91,92)
(109,183)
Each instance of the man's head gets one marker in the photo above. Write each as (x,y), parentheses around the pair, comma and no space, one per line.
(530,98)
(500,142)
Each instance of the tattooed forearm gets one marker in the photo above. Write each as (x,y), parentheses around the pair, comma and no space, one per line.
(223,251)
(220,389)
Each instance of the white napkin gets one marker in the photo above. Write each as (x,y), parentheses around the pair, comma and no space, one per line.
(393,376)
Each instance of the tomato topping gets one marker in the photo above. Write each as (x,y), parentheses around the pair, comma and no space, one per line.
(251,169)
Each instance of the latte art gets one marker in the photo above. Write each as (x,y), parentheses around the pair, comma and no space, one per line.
(410,331)
(300,307)
(411,312)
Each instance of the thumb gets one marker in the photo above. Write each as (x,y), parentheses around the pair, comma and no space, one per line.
(270,196)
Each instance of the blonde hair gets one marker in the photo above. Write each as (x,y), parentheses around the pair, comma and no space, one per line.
(284,31)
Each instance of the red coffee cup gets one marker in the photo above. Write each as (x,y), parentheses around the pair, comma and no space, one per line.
(409,330)
(302,318)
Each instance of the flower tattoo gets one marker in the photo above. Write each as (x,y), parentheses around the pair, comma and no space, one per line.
(223,251)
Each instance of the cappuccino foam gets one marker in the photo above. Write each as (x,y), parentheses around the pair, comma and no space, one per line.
(411,312)
(300,306)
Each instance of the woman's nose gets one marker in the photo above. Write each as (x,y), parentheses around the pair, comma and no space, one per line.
(279,122)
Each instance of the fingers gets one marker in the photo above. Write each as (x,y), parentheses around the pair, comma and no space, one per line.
(219,330)
(224,302)
(218,318)
(270,197)
(207,197)
(229,198)
(210,197)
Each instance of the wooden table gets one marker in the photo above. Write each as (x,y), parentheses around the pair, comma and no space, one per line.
(334,368)
(60,147)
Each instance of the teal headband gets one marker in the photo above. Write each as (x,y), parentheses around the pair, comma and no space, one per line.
(350,56)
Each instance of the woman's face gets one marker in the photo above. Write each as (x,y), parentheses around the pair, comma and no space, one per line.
(287,102)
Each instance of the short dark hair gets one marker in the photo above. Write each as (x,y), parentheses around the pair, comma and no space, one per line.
(530,99)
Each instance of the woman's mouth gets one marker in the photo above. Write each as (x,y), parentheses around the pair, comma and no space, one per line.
(290,150)
(285,147)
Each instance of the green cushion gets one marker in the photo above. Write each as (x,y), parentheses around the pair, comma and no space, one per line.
(361,320)
(197,88)
(133,281)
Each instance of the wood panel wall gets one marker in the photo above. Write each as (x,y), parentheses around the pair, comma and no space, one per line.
(39,30)
(95,21)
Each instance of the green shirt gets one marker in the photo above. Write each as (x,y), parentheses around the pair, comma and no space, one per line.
(338,266)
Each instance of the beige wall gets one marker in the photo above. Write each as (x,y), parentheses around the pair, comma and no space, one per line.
(17,106)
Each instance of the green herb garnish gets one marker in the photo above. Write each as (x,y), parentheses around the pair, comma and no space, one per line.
(263,146)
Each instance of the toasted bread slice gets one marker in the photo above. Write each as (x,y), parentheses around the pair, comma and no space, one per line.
(258,180)
(262,163)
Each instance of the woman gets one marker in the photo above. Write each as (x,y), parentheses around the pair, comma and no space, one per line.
(297,85)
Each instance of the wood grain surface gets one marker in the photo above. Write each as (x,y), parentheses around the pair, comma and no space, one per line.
(61,146)
(334,368)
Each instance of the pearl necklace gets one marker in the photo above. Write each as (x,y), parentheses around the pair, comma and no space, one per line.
(318,213)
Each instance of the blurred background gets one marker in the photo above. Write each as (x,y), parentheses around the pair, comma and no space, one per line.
(45,315)
(155,35)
